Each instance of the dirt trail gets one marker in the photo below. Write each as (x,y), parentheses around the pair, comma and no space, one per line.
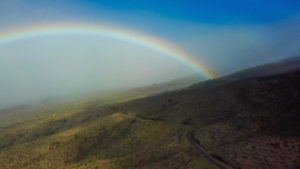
(194,143)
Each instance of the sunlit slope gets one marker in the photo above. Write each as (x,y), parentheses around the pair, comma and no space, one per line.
(113,140)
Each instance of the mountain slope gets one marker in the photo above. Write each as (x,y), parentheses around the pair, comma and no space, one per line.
(242,123)
(247,123)
(275,68)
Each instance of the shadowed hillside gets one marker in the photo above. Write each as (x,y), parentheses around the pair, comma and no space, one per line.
(249,124)
(273,96)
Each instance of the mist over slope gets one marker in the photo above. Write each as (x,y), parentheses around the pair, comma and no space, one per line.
(44,107)
(251,122)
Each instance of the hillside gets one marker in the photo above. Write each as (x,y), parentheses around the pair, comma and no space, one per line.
(245,123)
(74,103)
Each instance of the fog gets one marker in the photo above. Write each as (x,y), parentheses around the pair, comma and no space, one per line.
(37,68)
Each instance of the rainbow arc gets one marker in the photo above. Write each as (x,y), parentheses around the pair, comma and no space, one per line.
(150,42)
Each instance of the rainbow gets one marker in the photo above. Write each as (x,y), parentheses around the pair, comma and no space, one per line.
(155,44)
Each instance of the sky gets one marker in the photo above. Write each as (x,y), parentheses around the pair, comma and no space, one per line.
(225,35)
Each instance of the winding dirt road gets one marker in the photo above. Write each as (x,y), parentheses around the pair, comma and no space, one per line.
(194,143)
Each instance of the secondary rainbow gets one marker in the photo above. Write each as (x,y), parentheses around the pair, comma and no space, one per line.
(150,42)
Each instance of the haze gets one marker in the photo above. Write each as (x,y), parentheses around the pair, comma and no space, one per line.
(37,68)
